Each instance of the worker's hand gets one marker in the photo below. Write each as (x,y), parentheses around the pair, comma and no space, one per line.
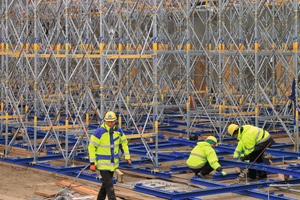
(235,158)
(129,162)
(93,167)
(223,173)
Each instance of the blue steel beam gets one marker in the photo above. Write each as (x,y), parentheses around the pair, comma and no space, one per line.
(176,168)
(262,167)
(61,170)
(231,148)
(252,193)
(161,146)
(149,171)
(216,176)
(208,191)
(230,175)
(140,145)
(276,152)
(40,158)
(183,141)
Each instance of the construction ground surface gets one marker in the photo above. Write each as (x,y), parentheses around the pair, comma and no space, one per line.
(21,182)
(168,68)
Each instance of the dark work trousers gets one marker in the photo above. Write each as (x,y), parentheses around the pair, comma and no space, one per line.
(259,148)
(107,187)
(206,169)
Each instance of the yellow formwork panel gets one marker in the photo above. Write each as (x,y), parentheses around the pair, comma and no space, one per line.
(10,117)
(59,127)
(236,114)
(140,135)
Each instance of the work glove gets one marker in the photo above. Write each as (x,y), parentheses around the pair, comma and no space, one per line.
(129,162)
(243,158)
(235,158)
(223,173)
(219,169)
(93,167)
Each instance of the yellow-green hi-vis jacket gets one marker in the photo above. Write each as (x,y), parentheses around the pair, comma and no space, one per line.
(250,137)
(104,147)
(202,153)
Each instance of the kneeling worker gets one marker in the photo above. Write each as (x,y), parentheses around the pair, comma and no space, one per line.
(203,158)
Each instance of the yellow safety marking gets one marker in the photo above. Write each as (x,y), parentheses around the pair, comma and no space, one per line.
(188,105)
(67,48)
(295,47)
(87,118)
(256,45)
(35,121)
(155,48)
(120,121)
(66,125)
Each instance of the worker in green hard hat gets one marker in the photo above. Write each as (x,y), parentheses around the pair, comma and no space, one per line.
(203,158)
(253,141)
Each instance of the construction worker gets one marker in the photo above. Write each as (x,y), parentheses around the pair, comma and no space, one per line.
(253,141)
(104,153)
(203,158)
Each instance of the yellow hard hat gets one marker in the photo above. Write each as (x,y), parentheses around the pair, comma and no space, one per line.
(232,128)
(212,140)
(110,116)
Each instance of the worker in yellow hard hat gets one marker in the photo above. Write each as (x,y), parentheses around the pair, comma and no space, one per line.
(253,141)
(203,158)
(104,152)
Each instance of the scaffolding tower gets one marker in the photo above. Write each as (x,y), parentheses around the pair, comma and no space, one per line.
(204,62)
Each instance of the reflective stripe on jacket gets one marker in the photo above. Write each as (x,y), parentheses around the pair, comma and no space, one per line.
(250,137)
(202,153)
(104,147)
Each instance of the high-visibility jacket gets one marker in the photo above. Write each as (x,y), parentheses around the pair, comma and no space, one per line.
(250,137)
(202,153)
(104,147)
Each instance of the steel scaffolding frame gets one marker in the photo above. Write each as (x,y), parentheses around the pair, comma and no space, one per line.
(62,61)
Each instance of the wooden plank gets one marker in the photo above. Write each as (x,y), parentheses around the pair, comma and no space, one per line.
(119,191)
(140,135)
(119,175)
(79,189)
(46,193)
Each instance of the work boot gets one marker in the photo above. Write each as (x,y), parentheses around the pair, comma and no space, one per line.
(262,175)
(200,175)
